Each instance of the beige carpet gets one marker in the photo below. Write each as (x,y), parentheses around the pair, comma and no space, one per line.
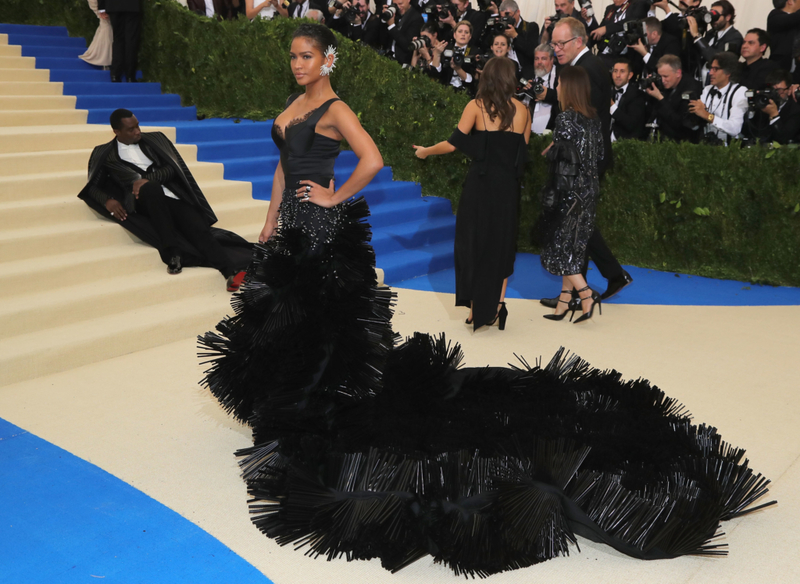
(143,418)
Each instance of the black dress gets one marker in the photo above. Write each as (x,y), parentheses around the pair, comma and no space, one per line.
(367,447)
(568,227)
(488,218)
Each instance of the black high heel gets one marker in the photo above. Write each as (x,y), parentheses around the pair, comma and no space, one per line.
(501,317)
(469,320)
(572,306)
(596,301)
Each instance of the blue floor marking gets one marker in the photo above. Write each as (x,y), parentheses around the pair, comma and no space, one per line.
(531,281)
(64,520)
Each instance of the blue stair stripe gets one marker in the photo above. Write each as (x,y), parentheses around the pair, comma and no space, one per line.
(33,29)
(401,266)
(45,40)
(66,63)
(49,51)
(104,88)
(413,235)
(147,115)
(131,102)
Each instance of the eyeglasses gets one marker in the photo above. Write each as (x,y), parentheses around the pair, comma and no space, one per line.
(781,89)
(715,69)
(562,44)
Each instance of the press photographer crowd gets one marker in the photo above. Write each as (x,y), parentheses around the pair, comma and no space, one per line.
(679,70)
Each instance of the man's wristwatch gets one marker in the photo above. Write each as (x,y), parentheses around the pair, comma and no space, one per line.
(711,118)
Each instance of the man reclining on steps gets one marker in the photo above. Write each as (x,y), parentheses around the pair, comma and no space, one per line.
(141,181)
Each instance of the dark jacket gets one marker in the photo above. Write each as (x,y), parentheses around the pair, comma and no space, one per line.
(782,28)
(667,45)
(600,82)
(525,45)
(629,119)
(222,8)
(784,130)
(754,76)
(675,122)
(402,33)
(731,42)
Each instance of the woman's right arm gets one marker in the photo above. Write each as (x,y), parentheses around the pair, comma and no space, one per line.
(278,184)
(465,125)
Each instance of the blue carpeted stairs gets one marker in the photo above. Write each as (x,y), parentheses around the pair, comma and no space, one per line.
(413,235)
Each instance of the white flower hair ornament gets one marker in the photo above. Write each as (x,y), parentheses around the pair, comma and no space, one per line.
(325,69)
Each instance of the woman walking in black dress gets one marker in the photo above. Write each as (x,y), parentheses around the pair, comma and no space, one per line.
(494,132)
(568,225)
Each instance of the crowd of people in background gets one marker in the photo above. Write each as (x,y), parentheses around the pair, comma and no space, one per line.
(684,74)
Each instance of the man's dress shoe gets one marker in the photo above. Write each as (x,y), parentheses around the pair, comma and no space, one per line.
(616,285)
(174,265)
(235,281)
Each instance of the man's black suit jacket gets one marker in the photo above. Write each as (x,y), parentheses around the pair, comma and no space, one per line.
(754,76)
(782,28)
(600,82)
(402,34)
(525,46)
(674,120)
(369,33)
(785,129)
(630,117)
(731,42)
(112,6)
(477,18)
(223,9)
(111,177)
(667,45)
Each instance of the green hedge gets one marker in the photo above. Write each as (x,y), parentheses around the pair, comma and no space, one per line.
(720,212)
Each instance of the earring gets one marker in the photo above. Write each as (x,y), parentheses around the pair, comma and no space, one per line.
(326,69)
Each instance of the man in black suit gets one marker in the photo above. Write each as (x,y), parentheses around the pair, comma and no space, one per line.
(524,37)
(658,45)
(722,37)
(754,71)
(405,24)
(141,181)
(126,24)
(628,112)
(779,121)
(610,34)
(465,12)
(219,9)
(783,26)
(671,104)
(566,8)
(364,28)
(569,43)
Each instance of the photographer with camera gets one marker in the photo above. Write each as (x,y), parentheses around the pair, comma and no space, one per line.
(545,102)
(524,36)
(774,114)
(723,104)
(423,47)
(677,24)
(500,47)
(671,92)
(463,11)
(783,26)
(354,20)
(402,23)
(455,63)
(610,35)
(628,104)
(753,72)
(564,8)
(658,44)
(721,37)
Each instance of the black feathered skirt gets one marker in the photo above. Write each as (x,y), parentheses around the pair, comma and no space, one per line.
(367,447)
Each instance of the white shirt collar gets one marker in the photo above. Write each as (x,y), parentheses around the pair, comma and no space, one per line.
(579,55)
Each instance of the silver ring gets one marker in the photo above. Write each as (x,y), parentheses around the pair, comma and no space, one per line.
(305,198)
(308,188)
(112,213)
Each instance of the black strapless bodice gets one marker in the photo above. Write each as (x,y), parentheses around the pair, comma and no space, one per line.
(306,155)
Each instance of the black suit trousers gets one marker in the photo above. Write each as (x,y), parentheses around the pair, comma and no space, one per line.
(170,216)
(127,28)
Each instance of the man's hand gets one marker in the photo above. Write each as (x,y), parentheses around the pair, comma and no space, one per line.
(449,20)
(599,33)
(698,108)
(654,92)
(663,5)
(639,48)
(542,95)
(390,22)
(137,185)
(771,110)
(511,32)
(693,29)
(116,209)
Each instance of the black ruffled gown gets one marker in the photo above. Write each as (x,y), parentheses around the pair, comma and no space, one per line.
(367,447)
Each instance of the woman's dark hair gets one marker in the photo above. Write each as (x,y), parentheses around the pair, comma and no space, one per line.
(575,92)
(496,88)
(319,34)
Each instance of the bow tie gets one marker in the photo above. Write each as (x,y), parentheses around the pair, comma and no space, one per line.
(714,92)
(617,95)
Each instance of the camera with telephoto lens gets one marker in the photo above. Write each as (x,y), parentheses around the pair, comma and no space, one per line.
(760,99)
(388,13)
(702,15)
(554,21)
(463,61)
(420,42)
(440,11)
(634,31)
(645,81)
(499,24)
(587,5)
(482,59)
(537,86)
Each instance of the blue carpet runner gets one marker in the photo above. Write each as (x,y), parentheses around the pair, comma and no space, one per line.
(413,235)
(63,520)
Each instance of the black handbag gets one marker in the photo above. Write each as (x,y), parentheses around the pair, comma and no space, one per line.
(565,163)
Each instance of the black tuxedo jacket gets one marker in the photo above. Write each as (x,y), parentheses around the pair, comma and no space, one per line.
(637,10)
(754,76)
(785,129)
(782,28)
(668,45)
(477,19)
(222,8)
(525,45)
(369,33)
(630,117)
(112,6)
(600,81)
(402,34)
(731,42)
(674,119)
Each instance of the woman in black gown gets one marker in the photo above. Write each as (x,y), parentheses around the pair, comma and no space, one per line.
(568,226)
(494,132)
(366,447)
